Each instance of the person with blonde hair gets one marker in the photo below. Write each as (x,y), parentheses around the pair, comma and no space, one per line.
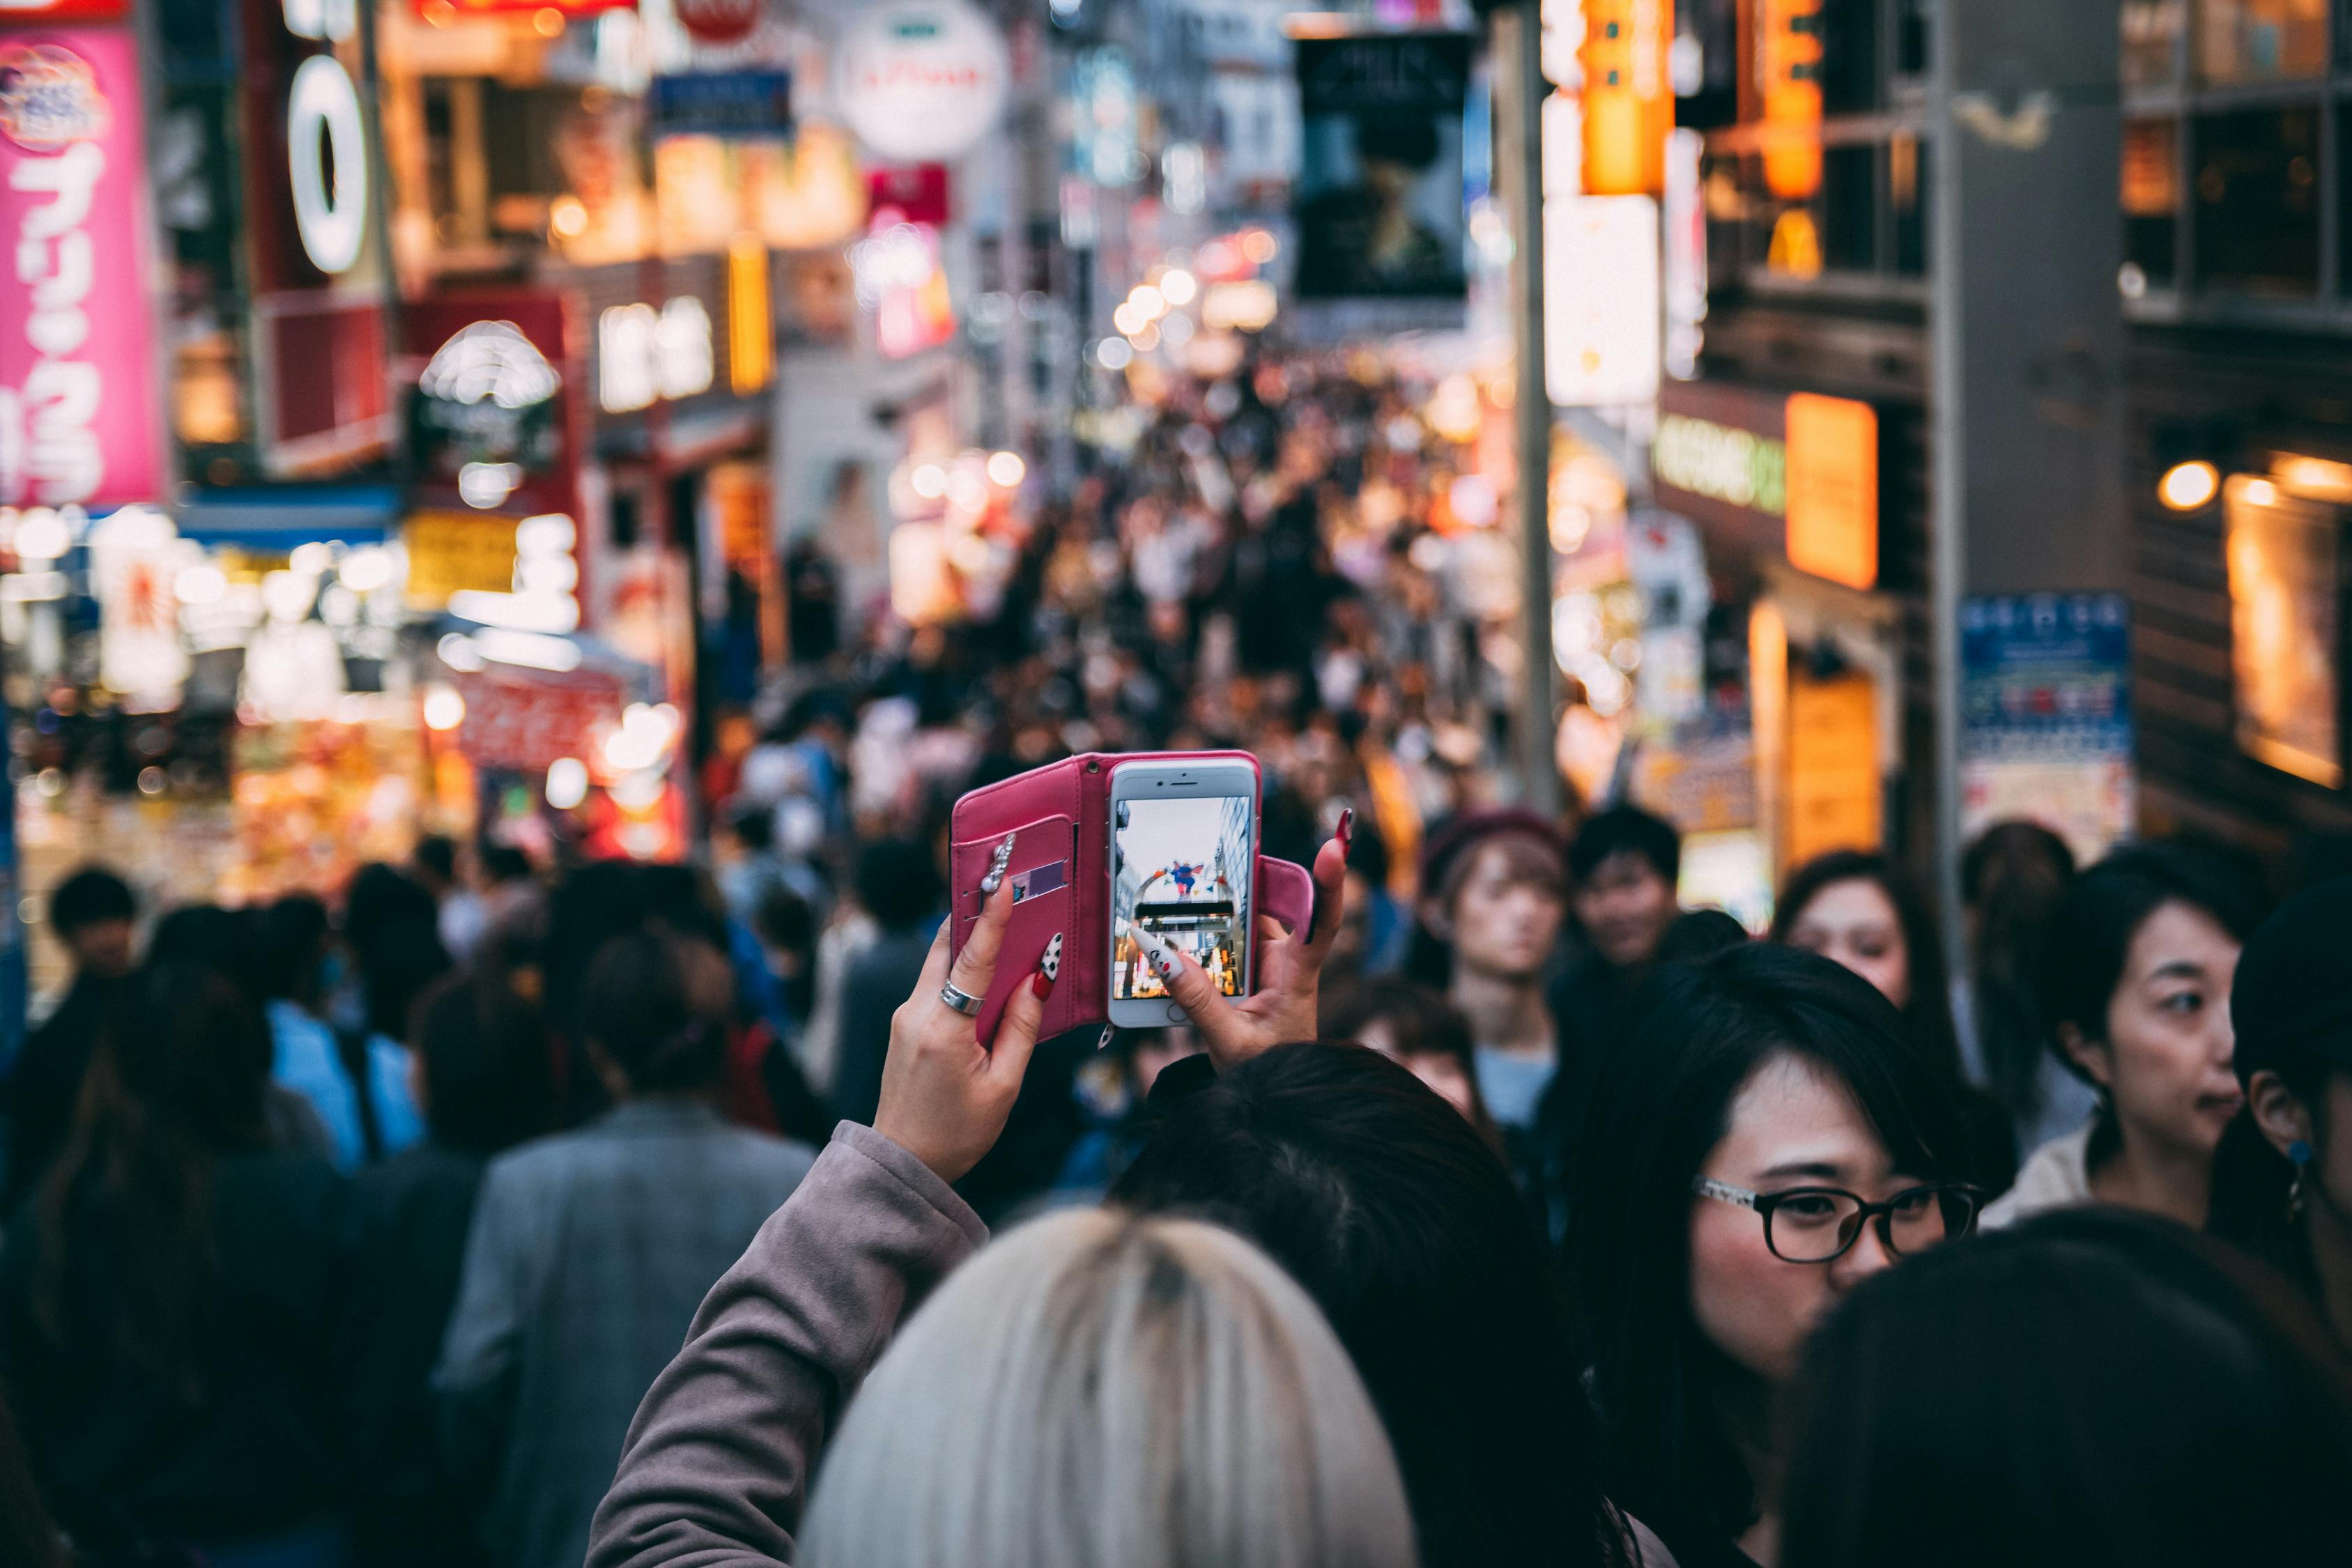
(1102,1388)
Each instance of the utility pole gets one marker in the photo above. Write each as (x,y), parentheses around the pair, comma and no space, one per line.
(1517,52)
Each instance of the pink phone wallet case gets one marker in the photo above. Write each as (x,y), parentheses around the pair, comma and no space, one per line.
(1059,817)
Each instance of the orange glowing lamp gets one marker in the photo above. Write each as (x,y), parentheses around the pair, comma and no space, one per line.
(1789,52)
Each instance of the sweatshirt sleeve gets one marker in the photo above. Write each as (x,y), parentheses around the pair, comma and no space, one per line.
(715,1470)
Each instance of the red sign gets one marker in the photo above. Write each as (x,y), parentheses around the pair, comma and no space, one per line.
(77,400)
(919,191)
(13,11)
(721,21)
(524,720)
(429,9)
(497,411)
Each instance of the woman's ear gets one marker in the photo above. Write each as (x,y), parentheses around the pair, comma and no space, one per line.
(2283,1118)
(2094,1056)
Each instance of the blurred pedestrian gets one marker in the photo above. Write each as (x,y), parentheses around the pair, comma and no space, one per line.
(1855,908)
(483,1069)
(1411,1023)
(898,886)
(587,1254)
(2282,1173)
(2135,981)
(2091,1387)
(92,915)
(358,1082)
(1761,1143)
(1622,866)
(171,1300)
(2012,879)
(1029,1415)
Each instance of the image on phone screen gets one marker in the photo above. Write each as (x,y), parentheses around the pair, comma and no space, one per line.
(1183,873)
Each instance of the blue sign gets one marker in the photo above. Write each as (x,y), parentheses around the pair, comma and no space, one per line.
(744,105)
(2046,676)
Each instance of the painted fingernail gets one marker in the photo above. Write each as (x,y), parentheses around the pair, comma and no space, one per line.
(1050,966)
(1156,948)
(997,865)
(1042,983)
(1347,828)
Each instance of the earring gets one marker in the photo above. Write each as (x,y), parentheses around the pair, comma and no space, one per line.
(2299,1152)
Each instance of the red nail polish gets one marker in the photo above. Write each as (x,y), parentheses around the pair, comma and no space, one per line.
(1042,983)
(1346,827)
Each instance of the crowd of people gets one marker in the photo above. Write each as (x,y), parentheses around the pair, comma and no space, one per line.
(534,1215)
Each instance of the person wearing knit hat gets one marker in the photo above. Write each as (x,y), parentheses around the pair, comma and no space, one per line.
(2283,1175)
(1494,892)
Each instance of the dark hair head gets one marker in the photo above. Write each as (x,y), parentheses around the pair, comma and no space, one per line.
(504,863)
(2090,936)
(485,1051)
(174,1083)
(1384,1204)
(89,896)
(639,1010)
(437,855)
(1695,1035)
(232,943)
(2013,852)
(295,931)
(2012,879)
(2093,1387)
(1699,933)
(1420,1021)
(754,825)
(2288,1009)
(1625,829)
(1928,1015)
(898,882)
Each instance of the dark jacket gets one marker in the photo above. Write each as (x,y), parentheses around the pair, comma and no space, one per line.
(413,1213)
(45,1083)
(257,1451)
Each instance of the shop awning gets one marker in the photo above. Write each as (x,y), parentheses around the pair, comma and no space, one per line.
(279,517)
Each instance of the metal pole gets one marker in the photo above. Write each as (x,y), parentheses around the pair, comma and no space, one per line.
(1948,551)
(1518,60)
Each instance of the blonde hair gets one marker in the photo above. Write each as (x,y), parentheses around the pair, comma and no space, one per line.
(1103,1389)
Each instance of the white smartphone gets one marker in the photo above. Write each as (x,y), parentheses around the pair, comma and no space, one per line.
(1183,866)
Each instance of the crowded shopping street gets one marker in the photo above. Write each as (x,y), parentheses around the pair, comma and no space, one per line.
(1175,784)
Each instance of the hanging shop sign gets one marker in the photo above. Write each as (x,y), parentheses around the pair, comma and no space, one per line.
(440,11)
(1834,489)
(1789,67)
(80,417)
(922,80)
(1832,796)
(492,416)
(731,105)
(1628,97)
(720,21)
(135,557)
(19,11)
(2045,717)
(524,720)
(322,360)
(2286,565)
(645,356)
(918,193)
(1793,474)
(1601,305)
(458,552)
(1379,197)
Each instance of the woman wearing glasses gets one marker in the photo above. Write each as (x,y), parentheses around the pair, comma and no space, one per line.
(1760,1143)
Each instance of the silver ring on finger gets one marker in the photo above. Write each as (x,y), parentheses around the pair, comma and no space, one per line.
(963,1001)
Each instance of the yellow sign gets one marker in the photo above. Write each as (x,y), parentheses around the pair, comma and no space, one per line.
(1790,40)
(1834,489)
(1834,799)
(450,551)
(750,317)
(1629,99)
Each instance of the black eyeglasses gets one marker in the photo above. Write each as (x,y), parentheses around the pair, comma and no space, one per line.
(1820,1225)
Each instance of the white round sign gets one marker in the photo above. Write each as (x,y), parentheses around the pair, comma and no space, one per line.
(329,210)
(921,81)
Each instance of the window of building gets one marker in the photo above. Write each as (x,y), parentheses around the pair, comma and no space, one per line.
(2152,32)
(2257,200)
(1850,209)
(2152,197)
(2241,41)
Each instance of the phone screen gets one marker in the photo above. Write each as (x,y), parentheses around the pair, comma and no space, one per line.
(1182,871)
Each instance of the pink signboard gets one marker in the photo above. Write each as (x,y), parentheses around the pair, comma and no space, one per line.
(78,419)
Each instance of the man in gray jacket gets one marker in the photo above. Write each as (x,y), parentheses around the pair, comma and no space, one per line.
(590,1252)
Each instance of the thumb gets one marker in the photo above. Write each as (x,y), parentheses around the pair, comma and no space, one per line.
(1016,1031)
(1188,983)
